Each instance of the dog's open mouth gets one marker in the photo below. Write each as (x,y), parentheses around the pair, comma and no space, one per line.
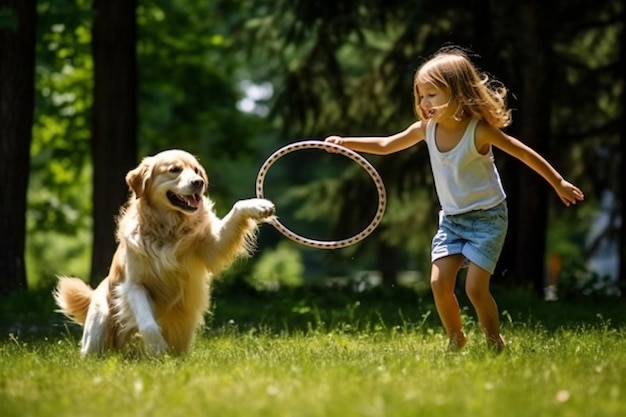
(185,202)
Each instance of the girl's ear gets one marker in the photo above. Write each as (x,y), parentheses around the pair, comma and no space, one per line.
(138,179)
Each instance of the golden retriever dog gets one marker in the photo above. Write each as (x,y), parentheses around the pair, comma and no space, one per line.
(170,246)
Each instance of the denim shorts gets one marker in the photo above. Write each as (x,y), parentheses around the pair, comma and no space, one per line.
(478,235)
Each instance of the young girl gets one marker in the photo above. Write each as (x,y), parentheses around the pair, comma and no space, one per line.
(461,113)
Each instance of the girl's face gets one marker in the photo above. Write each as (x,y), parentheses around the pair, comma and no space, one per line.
(434,101)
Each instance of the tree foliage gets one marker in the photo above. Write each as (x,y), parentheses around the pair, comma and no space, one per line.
(341,67)
(59,196)
(346,67)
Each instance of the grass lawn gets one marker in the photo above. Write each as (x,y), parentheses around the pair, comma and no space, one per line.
(328,353)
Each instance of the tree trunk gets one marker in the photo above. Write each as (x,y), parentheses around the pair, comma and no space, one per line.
(114,144)
(17,72)
(530,230)
(388,264)
(621,192)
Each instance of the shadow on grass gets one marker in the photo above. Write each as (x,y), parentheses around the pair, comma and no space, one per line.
(32,314)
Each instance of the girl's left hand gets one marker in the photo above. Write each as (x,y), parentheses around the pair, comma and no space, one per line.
(569,193)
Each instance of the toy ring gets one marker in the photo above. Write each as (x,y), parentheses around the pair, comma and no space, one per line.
(316,144)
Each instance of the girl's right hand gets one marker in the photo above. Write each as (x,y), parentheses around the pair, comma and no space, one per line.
(337,140)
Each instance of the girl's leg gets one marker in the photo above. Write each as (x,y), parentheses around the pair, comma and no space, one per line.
(442,282)
(477,289)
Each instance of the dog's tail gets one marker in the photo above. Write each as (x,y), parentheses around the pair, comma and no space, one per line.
(73,296)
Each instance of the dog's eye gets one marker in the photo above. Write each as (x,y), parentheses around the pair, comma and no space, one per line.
(197,170)
(175,169)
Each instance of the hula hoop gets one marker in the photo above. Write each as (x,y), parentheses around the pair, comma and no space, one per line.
(364,163)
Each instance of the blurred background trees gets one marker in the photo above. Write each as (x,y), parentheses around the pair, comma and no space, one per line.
(114,125)
(17,62)
(231,81)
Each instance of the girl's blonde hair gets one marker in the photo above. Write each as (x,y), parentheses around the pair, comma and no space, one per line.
(476,94)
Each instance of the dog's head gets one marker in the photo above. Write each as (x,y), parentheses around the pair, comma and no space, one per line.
(171,179)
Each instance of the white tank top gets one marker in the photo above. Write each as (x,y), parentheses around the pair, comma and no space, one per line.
(465,179)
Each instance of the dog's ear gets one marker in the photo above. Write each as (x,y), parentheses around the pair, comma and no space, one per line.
(203,174)
(138,179)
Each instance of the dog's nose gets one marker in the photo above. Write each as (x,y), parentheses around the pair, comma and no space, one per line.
(199,183)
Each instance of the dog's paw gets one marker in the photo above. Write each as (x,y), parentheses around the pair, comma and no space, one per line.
(255,208)
(154,343)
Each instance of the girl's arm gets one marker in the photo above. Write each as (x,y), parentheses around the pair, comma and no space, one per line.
(383,145)
(569,193)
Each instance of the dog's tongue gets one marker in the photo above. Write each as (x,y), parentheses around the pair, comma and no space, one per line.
(193,200)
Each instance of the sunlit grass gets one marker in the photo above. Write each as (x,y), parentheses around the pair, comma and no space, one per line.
(389,372)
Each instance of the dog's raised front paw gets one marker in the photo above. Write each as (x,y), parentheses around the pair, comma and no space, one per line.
(255,208)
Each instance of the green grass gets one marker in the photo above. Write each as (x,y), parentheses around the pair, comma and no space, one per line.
(321,353)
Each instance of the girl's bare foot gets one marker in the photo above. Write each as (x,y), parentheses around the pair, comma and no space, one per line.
(496,343)
(457,342)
